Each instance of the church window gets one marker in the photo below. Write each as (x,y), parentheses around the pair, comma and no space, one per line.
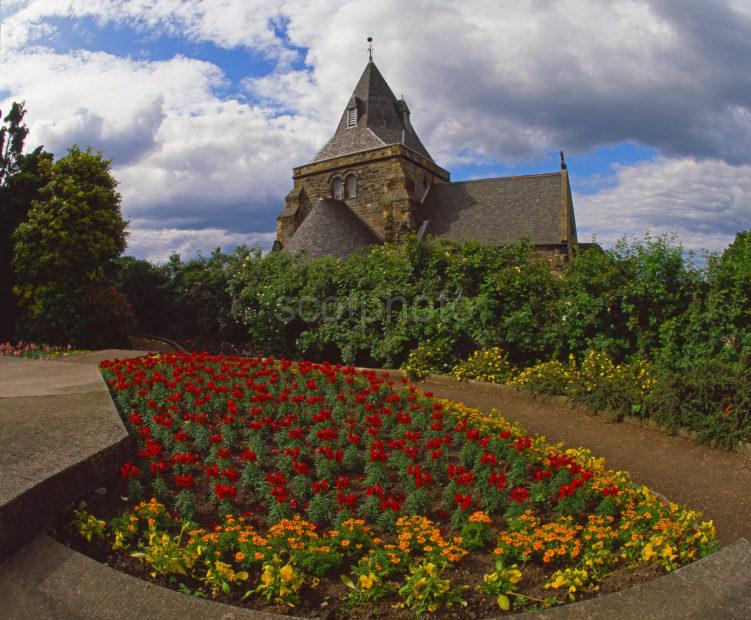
(351,186)
(351,117)
(337,188)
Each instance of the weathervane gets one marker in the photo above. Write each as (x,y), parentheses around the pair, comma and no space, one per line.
(370,48)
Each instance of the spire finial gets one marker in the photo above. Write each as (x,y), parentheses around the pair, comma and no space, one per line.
(370,48)
(563,162)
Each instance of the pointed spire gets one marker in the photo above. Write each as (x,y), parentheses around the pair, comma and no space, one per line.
(380,119)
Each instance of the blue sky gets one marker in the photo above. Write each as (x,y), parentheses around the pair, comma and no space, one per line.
(205,105)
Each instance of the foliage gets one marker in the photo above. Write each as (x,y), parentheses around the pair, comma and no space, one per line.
(430,304)
(501,583)
(489,365)
(602,385)
(710,397)
(21,178)
(426,590)
(428,357)
(64,252)
(550,378)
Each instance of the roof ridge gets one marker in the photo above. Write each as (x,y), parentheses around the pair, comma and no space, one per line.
(515,176)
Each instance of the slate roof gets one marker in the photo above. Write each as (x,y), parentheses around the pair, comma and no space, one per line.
(380,120)
(331,228)
(498,211)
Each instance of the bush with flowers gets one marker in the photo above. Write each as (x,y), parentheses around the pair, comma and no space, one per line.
(427,358)
(597,382)
(299,473)
(489,365)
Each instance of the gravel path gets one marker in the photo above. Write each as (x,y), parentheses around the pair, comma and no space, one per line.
(708,479)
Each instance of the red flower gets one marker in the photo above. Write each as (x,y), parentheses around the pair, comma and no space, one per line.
(248,455)
(185,481)
(223,491)
(519,494)
(128,470)
(488,459)
(463,501)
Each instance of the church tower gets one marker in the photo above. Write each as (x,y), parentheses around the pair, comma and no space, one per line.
(368,182)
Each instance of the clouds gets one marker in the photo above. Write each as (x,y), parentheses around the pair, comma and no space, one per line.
(489,82)
(704,202)
(184,157)
(156,245)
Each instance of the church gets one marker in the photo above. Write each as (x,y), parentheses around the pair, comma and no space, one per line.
(374,182)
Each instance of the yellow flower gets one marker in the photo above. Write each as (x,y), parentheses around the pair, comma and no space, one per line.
(367,581)
(286,573)
(267,578)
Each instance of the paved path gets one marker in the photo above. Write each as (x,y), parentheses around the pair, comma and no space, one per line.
(708,479)
(61,436)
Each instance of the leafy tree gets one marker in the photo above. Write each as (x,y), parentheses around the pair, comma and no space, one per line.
(12,139)
(21,178)
(64,255)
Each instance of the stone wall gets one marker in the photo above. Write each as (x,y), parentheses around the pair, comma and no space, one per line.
(391,182)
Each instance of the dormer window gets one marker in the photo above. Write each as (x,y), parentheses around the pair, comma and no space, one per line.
(406,120)
(337,188)
(351,117)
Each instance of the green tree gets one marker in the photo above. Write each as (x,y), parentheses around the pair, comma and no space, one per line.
(21,178)
(64,255)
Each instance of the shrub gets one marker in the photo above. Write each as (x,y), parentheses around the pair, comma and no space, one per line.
(426,358)
(602,385)
(489,365)
(550,378)
(712,398)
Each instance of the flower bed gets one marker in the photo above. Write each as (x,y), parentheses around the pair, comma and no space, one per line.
(263,480)
(36,351)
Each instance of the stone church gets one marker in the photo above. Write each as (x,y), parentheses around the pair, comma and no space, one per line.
(374,182)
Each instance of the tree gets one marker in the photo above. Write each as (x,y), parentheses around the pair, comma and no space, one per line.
(12,139)
(21,178)
(64,255)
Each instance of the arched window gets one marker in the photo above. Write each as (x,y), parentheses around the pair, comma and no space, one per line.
(337,188)
(351,186)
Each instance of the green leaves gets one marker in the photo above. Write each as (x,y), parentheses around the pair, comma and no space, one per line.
(63,255)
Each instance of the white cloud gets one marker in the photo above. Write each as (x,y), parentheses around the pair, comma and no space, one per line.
(156,245)
(184,157)
(487,81)
(226,23)
(703,202)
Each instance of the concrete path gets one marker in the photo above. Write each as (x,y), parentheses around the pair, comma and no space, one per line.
(61,437)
